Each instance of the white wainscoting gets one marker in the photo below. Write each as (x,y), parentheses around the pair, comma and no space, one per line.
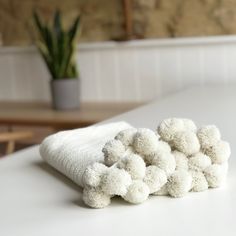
(130,71)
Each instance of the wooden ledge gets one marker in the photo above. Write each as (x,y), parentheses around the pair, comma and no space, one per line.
(41,114)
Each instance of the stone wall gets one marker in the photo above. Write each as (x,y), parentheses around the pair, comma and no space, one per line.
(104,19)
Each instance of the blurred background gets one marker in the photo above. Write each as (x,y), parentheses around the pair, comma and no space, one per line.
(104,20)
(69,64)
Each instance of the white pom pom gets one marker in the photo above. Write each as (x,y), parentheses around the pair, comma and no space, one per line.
(126,136)
(95,198)
(162,192)
(145,141)
(92,174)
(181,160)
(163,146)
(186,142)
(179,183)
(189,125)
(163,160)
(199,182)
(199,162)
(115,182)
(137,192)
(169,127)
(113,151)
(219,152)
(215,175)
(208,136)
(134,165)
(155,178)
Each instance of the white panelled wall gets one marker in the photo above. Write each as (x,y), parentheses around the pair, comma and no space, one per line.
(130,71)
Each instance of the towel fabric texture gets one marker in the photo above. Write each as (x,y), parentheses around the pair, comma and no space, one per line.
(70,152)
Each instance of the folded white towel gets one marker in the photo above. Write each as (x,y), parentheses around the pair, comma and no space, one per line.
(138,162)
(70,152)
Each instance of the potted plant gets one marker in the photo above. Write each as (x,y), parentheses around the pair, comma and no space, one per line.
(58,47)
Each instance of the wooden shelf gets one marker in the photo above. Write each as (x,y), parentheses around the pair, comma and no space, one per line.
(41,114)
(41,120)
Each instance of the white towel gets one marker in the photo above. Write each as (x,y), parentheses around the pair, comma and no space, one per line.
(70,152)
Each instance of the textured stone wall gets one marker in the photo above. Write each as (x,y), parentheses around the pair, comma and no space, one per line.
(104,19)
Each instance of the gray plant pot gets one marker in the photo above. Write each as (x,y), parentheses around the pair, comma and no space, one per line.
(65,94)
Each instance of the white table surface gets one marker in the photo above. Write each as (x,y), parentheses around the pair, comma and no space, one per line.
(37,200)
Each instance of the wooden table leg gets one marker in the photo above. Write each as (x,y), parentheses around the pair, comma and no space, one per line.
(10,147)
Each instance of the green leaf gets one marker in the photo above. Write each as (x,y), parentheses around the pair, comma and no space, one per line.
(57,46)
(57,23)
(70,70)
(49,41)
(39,24)
(64,54)
(73,30)
(46,56)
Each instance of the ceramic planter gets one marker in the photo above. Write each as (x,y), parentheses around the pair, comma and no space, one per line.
(65,94)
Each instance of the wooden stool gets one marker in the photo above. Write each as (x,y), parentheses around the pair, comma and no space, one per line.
(11,137)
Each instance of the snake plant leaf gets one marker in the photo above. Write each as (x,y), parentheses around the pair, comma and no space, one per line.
(64,54)
(73,30)
(38,23)
(57,23)
(72,62)
(71,71)
(57,46)
(51,44)
(46,56)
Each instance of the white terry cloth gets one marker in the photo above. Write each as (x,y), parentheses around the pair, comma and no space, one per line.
(70,152)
